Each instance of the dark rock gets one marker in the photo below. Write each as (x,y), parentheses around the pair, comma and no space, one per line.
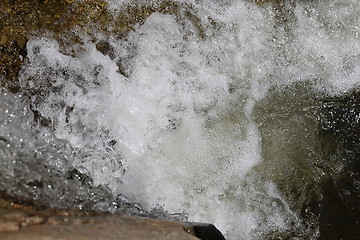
(206,231)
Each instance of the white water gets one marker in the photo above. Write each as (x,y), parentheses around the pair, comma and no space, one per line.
(178,131)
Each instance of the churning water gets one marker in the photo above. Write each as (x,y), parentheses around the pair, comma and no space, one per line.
(210,111)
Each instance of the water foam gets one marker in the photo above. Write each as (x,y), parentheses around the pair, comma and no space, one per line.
(175,127)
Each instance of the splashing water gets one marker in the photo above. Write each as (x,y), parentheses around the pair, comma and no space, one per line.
(210,110)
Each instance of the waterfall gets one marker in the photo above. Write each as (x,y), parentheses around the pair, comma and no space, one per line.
(210,111)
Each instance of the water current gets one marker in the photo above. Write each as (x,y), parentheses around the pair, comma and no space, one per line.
(209,111)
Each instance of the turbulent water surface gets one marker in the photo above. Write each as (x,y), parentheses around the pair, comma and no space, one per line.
(211,111)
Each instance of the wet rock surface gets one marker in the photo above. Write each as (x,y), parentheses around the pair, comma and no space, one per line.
(24,222)
(18,20)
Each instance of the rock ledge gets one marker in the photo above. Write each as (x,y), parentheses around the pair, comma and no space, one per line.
(18,222)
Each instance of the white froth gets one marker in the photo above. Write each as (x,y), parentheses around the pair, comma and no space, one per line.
(181,124)
(327,37)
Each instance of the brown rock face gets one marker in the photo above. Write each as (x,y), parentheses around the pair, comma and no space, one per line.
(18,19)
(19,222)
(99,227)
